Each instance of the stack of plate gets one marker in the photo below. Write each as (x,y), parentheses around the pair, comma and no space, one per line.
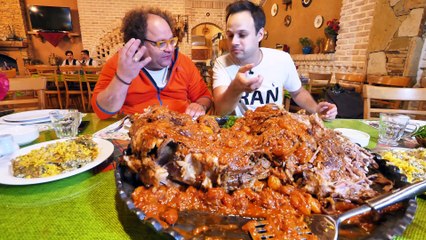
(29,117)
(19,125)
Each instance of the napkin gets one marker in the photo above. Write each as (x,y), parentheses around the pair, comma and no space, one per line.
(121,134)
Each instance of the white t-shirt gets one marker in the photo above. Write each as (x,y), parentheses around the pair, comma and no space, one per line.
(159,76)
(278,71)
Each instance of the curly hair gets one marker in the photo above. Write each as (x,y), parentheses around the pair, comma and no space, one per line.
(135,22)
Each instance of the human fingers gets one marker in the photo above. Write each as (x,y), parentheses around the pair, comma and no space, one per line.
(138,56)
(133,48)
(327,111)
(128,50)
(256,82)
(245,68)
(139,59)
(194,110)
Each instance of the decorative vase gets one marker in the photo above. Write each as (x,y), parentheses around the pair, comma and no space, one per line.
(330,44)
(307,50)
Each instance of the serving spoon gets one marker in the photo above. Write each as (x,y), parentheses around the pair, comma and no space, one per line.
(326,227)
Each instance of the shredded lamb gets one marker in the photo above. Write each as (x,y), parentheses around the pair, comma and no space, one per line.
(170,149)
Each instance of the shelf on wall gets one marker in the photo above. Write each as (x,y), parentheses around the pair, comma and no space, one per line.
(312,57)
(13,44)
(69,34)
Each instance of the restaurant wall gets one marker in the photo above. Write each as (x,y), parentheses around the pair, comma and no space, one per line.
(41,49)
(100,20)
(302,22)
(11,21)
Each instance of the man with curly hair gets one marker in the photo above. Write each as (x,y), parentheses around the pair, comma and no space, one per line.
(149,70)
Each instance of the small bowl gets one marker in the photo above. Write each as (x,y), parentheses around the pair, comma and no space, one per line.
(421,141)
(22,135)
(355,136)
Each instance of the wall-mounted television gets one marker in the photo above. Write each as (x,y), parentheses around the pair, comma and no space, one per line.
(49,18)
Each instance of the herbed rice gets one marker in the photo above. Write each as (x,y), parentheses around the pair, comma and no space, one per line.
(55,158)
(411,162)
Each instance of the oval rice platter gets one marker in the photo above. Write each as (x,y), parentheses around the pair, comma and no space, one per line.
(105,149)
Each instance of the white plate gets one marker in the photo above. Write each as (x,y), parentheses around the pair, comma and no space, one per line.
(35,115)
(6,177)
(355,136)
(318,21)
(45,120)
(21,134)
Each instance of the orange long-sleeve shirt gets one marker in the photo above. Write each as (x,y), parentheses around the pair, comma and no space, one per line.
(184,86)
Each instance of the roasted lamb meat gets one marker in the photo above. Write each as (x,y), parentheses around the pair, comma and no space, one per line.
(172,149)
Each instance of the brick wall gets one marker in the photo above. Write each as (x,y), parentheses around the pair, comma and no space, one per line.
(356,18)
(351,51)
(12,24)
(100,20)
(11,19)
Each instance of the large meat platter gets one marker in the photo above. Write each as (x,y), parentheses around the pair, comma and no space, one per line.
(151,169)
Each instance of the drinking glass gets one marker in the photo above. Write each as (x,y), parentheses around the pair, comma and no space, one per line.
(65,122)
(7,145)
(391,128)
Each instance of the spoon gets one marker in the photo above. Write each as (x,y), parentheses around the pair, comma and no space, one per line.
(326,227)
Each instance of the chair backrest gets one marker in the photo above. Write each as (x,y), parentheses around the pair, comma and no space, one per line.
(350,81)
(318,81)
(70,73)
(389,81)
(91,74)
(392,93)
(32,69)
(26,84)
(49,72)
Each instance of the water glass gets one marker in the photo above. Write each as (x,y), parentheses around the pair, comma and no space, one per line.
(391,128)
(65,122)
(7,145)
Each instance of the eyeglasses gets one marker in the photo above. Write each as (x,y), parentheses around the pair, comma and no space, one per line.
(164,43)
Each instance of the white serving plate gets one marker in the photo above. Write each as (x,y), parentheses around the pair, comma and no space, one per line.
(21,134)
(355,136)
(106,148)
(34,115)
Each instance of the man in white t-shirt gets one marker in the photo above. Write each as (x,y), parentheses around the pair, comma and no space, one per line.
(253,76)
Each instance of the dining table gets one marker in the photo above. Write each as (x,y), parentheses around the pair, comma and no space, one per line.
(87,205)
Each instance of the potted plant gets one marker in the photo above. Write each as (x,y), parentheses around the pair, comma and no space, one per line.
(331,31)
(306,45)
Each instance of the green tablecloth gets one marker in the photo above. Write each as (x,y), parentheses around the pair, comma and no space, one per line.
(86,206)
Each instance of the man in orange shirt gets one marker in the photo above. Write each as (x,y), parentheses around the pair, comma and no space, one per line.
(149,70)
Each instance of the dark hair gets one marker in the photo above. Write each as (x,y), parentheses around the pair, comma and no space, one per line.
(135,22)
(85,52)
(68,51)
(255,10)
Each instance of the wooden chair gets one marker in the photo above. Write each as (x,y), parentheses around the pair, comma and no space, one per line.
(31,70)
(389,81)
(318,82)
(53,86)
(391,93)
(73,85)
(350,81)
(37,101)
(91,75)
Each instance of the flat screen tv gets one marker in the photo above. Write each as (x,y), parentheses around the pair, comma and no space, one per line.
(48,18)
